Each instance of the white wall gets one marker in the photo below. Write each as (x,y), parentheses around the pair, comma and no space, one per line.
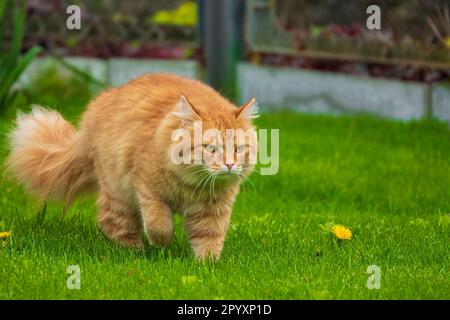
(276,88)
(323,92)
(115,71)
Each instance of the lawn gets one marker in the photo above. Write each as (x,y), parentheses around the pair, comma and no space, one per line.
(388,181)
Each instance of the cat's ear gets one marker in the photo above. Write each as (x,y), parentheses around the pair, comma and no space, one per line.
(185,110)
(248,110)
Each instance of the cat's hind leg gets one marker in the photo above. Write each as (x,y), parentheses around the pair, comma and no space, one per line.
(119,221)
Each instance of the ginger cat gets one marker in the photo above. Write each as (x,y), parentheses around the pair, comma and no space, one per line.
(124,150)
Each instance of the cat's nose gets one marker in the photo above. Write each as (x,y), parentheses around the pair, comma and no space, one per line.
(229,166)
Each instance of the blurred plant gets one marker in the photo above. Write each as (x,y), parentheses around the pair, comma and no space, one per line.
(184,15)
(12,61)
(53,83)
(440,25)
(85,76)
(324,29)
(56,88)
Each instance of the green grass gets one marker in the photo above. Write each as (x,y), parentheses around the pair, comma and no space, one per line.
(389,182)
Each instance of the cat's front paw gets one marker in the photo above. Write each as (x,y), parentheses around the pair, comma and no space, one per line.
(159,238)
(161,234)
(207,249)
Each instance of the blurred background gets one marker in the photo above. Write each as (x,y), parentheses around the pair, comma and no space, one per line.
(305,55)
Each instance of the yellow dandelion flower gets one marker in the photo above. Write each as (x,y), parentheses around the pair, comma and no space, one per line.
(341,232)
(447,42)
(5,234)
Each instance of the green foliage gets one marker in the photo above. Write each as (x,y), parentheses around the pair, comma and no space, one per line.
(56,89)
(12,61)
(184,15)
(52,87)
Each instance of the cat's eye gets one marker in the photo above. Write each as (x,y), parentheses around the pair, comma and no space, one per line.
(210,148)
(239,149)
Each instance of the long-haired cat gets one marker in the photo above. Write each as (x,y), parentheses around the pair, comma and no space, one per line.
(124,150)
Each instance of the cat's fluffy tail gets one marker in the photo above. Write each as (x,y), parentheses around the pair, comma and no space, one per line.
(48,156)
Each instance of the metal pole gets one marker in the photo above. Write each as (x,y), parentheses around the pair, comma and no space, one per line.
(223,43)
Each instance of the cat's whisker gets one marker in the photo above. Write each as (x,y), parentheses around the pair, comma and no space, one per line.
(249,180)
(241,182)
(213,186)
(195,174)
(250,171)
(192,172)
(200,175)
(190,169)
(203,177)
(204,184)
(210,186)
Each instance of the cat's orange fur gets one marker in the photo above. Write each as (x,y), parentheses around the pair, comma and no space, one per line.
(123,149)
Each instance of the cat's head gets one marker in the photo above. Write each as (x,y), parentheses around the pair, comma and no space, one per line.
(214,143)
